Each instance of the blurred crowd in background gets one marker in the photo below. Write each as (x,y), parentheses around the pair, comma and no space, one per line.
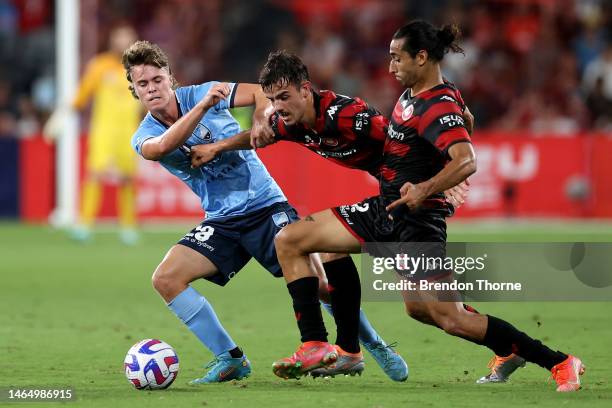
(530,66)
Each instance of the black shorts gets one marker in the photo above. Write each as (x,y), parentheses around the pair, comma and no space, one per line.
(231,242)
(419,233)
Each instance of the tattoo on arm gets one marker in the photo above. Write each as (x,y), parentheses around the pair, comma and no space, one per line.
(309,218)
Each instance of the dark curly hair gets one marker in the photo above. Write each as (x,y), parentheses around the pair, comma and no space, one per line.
(285,68)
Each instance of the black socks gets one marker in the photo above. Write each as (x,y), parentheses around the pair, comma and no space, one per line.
(305,295)
(345,300)
(504,339)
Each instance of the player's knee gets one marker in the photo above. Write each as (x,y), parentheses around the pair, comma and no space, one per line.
(164,280)
(159,281)
(287,242)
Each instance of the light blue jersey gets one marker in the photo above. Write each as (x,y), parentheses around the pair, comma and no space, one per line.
(236,182)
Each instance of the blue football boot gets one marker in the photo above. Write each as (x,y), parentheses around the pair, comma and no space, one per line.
(392,363)
(225,368)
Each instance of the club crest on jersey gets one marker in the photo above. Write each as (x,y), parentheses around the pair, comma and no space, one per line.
(202,132)
(280,219)
(407,112)
(329,141)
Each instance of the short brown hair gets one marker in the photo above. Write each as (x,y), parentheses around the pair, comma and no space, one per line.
(145,53)
(283,68)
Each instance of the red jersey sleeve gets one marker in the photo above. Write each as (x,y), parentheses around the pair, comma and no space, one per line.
(363,120)
(442,124)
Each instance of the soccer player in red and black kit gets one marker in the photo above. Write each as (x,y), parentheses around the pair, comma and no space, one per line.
(427,151)
(352,134)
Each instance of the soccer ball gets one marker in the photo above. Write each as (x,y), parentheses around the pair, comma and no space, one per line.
(151,365)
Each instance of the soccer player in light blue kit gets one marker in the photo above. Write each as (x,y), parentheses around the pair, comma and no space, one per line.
(244,206)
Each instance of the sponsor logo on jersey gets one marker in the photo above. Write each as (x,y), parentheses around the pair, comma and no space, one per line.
(191,237)
(447,98)
(280,219)
(361,119)
(452,120)
(407,112)
(337,155)
(332,111)
(344,212)
(394,134)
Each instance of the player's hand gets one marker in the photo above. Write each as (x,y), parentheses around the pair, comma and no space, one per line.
(411,195)
(457,195)
(262,134)
(54,126)
(202,154)
(469,120)
(215,94)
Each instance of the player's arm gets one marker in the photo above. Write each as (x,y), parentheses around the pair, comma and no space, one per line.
(157,147)
(461,166)
(443,126)
(204,153)
(370,123)
(54,126)
(456,195)
(469,120)
(87,85)
(251,94)
(245,95)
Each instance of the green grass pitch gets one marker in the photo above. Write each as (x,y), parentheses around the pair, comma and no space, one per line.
(70,312)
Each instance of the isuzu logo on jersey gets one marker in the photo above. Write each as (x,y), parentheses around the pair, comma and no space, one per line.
(451,120)
(362,119)
(407,113)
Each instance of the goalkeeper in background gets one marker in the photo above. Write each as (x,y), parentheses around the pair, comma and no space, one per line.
(115,116)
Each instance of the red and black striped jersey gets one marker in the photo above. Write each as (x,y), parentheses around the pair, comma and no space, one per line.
(347,131)
(421,130)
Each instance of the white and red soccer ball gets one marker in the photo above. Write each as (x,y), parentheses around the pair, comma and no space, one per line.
(151,365)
